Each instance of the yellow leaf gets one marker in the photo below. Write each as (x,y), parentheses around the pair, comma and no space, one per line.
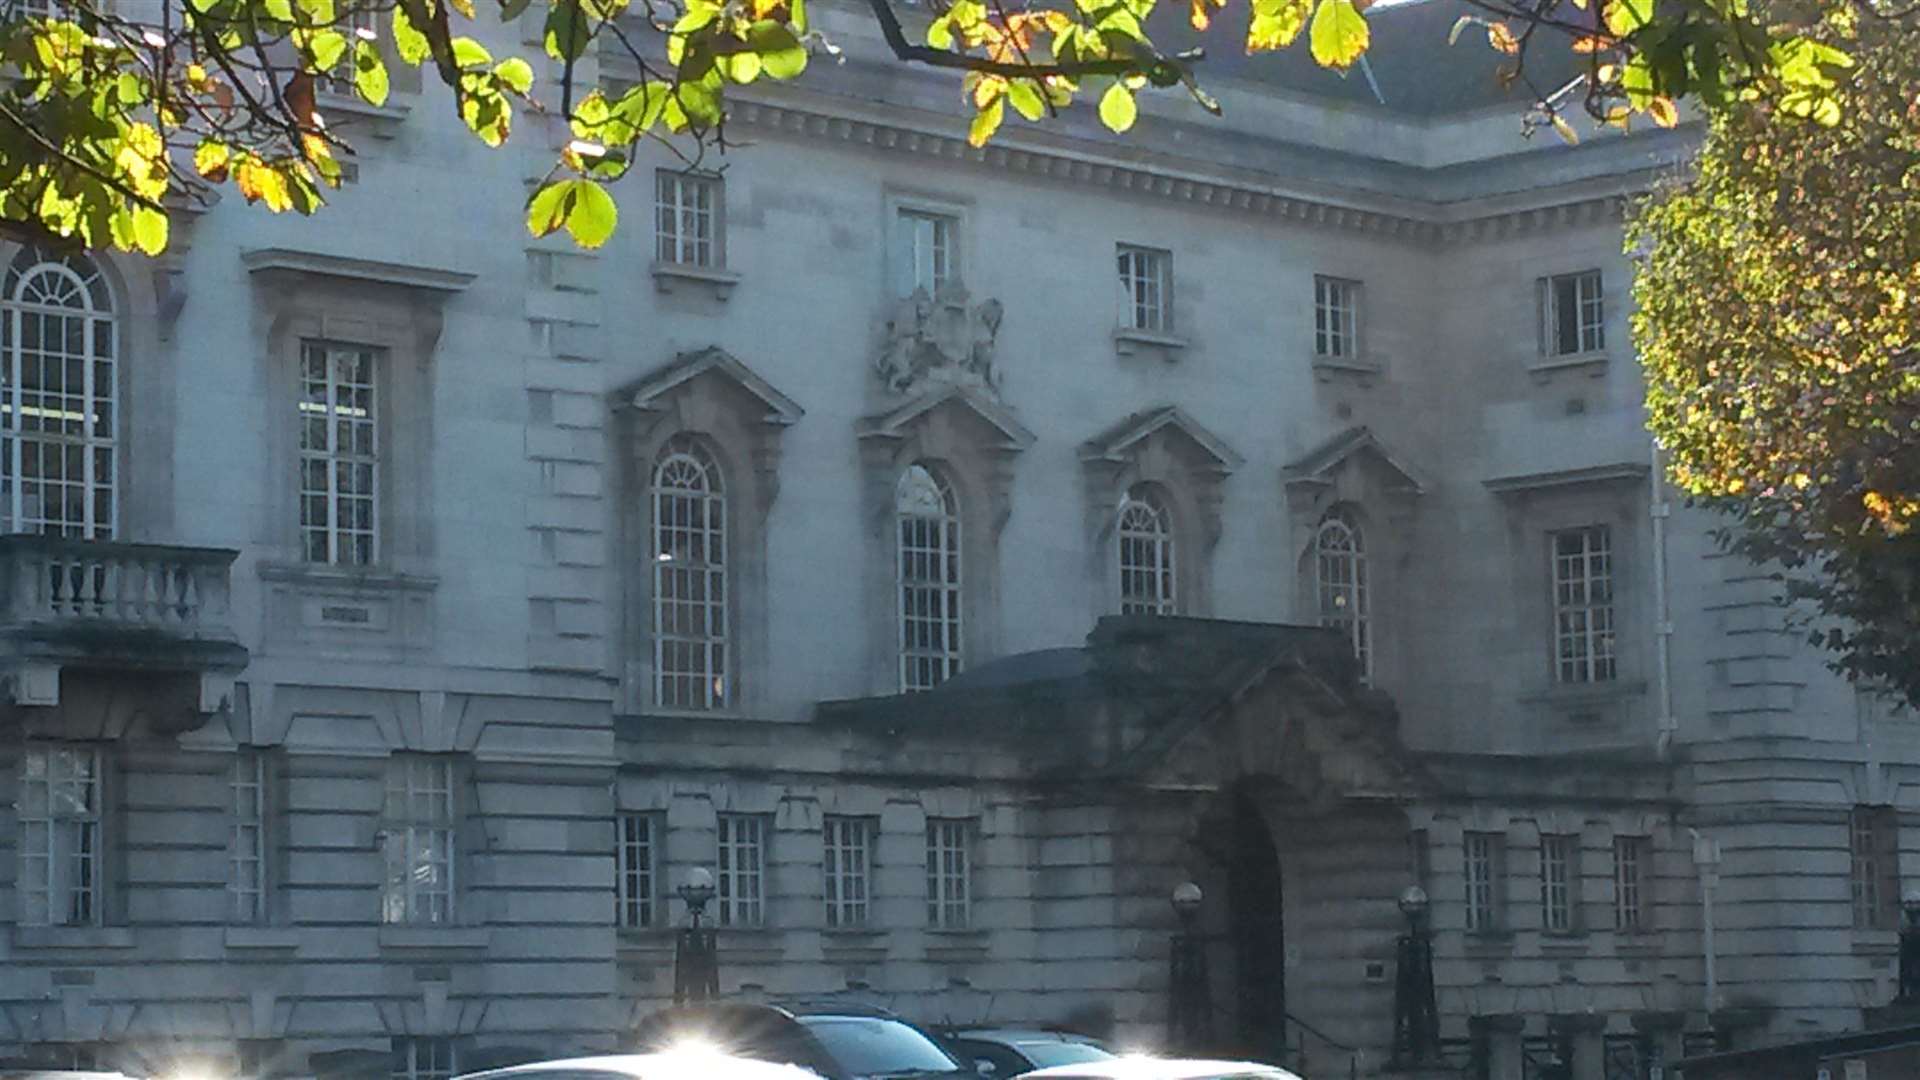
(986,122)
(1117,108)
(1565,130)
(1339,35)
(1663,112)
(1276,25)
(1198,14)
(1501,38)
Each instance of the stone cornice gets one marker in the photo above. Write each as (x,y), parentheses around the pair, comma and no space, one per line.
(425,279)
(1441,224)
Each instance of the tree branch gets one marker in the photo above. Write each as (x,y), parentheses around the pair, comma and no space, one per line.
(941,58)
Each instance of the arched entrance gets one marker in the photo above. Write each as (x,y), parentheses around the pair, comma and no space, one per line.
(1256,934)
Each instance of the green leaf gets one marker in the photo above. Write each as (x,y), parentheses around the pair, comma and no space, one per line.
(149,229)
(319,12)
(278,9)
(1626,16)
(1275,25)
(698,103)
(408,41)
(1339,35)
(940,33)
(369,73)
(986,122)
(781,52)
(1026,100)
(210,159)
(326,48)
(593,215)
(468,53)
(568,31)
(741,67)
(547,210)
(516,73)
(1117,108)
(511,9)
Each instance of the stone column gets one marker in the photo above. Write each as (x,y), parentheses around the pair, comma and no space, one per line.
(1501,1034)
(1583,1031)
(1661,1031)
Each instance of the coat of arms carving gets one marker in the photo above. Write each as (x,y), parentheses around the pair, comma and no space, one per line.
(940,339)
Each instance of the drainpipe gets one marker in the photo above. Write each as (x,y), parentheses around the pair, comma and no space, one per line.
(1659,510)
(1706,862)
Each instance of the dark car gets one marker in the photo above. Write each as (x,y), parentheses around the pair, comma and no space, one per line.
(839,1042)
(1004,1052)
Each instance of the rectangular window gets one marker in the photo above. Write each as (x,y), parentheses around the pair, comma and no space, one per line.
(421,819)
(60,833)
(848,863)
(1420,859)
(742,863)
(926,252)
(1874,840)
(1583,604)
(637,871)
(247,842)
(1336,318)
(950,872)
(1485,854)
(1146,287)
(1557,869)
(1572,314)
(421,1058)
(687,219)
(357,25)
(339,454)
(1632,858)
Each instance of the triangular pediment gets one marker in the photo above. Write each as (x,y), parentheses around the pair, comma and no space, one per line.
(1121,440)
(652,390)
(1317,467)
(896,423)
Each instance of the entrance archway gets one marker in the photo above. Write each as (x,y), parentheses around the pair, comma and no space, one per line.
(1256,933)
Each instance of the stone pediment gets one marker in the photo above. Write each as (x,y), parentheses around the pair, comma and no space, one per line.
(1119,442)
(651,392)
(896,423)
(1317,467)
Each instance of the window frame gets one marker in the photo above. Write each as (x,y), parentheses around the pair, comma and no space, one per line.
(1560,852)
(903,260)
(405,834)
(1484,899)
(951,859)
(1632,883)
(250,826)
(1873,874)
(1355,623)
(1145,558)
(406,1050)
(1589,336)
(91,839)
(858,836)
(1142,268)
(1592,664)
(731,908)
(929,611)
(639,901)
(330,457)
(1337,307)
(712,677)
(671,246)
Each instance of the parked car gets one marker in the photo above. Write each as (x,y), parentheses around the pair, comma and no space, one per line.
(839,1042)
(682,1064)
(1005,1052)
(1155,1068)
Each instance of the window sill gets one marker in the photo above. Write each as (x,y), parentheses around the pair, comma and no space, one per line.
(749,945)
(1574,694)
(853,945)
(1638,943)
(1129,341)
(669,276)
(1489,942)
(957,945)
(349,577)
(1366,370)
(73,937)
(382,121)
(1563,943)
(1545,367)
(262,937)
(435,937)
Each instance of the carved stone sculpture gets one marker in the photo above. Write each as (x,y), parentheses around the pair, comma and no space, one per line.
(941,339)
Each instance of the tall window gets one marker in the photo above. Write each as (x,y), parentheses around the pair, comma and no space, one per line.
(1572,314)
(1874,840)
(742,862)
(1485,856)
(59,808)
(848,864)
(637,871)
(1336,318)
(690,663)
(926,251)
(687,218)
(1583,604)
(950,872)
(339,454)
(927,517)
(1146,287)
(421,818)
(1557,855)
(1146,554)
(247,841)
(59,457)
(422,1058)
(1632,856)
(1340,570)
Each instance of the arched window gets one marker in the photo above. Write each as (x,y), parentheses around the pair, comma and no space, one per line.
(690,662)
(1146,554)
(927,520)
(1340,561)
(58,454)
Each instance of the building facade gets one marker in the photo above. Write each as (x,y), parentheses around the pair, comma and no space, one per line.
(398,608)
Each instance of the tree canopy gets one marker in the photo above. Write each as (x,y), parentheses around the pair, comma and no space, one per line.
(1778,319)
(113,107)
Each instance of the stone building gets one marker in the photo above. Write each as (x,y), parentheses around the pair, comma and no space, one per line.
(396,608)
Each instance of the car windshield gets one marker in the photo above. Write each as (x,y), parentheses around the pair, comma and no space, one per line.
(875,1046)
(1048,1054)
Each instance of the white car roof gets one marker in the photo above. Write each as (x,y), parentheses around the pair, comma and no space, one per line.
(669,1065)
(1153,1068)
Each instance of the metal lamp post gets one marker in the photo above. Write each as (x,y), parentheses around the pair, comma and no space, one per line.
(1416,1018)
(696,957)
(1909,992)
(1188,1013)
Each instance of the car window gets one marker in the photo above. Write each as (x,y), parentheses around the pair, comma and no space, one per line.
(1054,1052)
(1004,1061)
(875,1046)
